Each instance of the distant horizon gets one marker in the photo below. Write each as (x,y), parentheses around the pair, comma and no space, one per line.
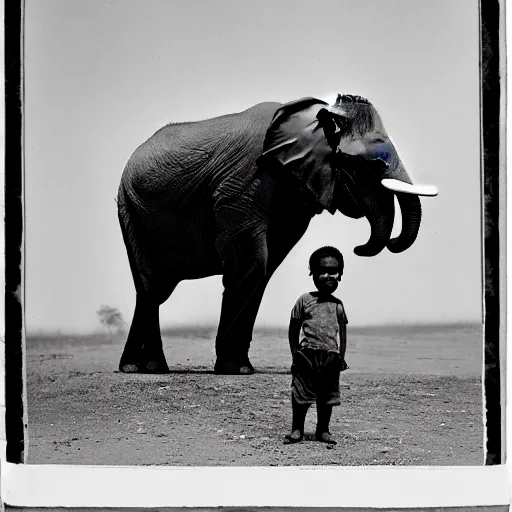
(258,328)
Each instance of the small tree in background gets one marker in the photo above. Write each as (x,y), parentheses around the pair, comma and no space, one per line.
(111,318)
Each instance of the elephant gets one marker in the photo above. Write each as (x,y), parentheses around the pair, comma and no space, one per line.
(232,195)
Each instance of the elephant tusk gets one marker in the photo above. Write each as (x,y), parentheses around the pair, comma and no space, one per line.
(407,188)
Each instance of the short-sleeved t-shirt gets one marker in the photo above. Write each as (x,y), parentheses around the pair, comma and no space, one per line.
(321,318)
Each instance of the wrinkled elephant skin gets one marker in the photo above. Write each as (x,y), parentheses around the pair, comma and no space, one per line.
(232,195)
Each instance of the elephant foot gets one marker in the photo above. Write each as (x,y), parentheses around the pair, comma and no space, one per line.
(129,368)
(233,367)
(153,366)
(156,367)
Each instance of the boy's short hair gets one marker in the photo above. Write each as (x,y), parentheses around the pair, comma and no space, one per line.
(325,252)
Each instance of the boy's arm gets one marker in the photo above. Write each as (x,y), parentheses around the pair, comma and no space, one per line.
(294,334)
(295,326)
(343,340)
(342,324)
(343,345)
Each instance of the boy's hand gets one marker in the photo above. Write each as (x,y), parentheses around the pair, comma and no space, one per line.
(293,355)
(344,365)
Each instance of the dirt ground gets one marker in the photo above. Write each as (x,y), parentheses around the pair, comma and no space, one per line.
(412,396)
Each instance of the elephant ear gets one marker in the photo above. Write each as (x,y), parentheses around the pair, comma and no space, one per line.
(296,143)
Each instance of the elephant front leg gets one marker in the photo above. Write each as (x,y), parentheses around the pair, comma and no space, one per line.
(245,280)
(143,352)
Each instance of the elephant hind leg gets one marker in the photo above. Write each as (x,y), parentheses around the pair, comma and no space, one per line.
(143,351)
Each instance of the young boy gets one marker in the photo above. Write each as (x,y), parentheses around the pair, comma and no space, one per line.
(319,357)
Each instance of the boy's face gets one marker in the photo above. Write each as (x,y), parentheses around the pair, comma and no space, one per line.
(327,275)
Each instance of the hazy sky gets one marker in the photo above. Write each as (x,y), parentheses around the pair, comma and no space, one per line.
(103,76)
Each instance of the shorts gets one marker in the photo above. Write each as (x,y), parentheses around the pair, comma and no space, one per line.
(316,377)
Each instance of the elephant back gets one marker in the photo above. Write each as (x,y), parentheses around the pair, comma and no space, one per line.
(182,162)
(192,182)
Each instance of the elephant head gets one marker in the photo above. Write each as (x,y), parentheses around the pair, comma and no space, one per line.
(344,158)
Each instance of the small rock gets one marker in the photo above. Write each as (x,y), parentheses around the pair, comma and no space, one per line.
(242,437)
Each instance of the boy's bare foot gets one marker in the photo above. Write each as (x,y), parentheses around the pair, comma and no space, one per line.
(325,437)
(294,437)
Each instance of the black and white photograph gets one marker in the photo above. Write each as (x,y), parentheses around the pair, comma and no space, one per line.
(253,233)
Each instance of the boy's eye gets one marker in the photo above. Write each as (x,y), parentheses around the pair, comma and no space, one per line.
(329,271)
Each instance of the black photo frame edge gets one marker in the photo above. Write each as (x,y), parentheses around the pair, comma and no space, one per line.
(492,78)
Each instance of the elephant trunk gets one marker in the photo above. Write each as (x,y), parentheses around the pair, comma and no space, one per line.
(410,207)
(381,217)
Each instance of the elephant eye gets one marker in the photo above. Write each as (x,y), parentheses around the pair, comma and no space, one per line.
(383,155)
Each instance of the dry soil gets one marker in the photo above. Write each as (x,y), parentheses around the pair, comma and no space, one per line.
(412,396)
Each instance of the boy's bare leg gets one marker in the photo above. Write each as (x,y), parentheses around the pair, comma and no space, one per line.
(322,429)
(299,412)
